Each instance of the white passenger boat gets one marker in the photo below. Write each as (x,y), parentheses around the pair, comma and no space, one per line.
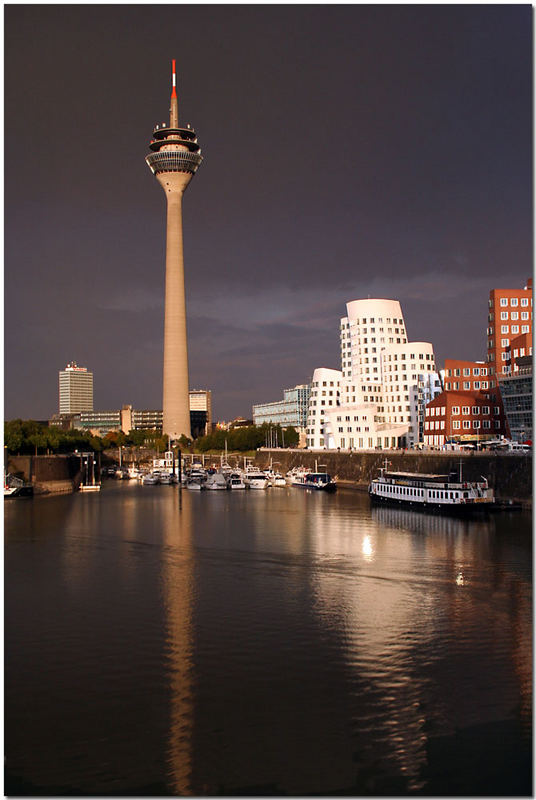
(255,479)
(216,481)
(317,481)
(435,492)
(165,478)
(151,479)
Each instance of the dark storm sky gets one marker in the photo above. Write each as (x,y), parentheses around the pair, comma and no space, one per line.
(350,151)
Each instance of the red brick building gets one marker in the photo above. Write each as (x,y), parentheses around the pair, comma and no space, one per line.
(520,347)
(460,417)
(509,316)
(466,376)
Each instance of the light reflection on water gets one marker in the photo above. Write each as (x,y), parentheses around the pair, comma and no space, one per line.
(280,641)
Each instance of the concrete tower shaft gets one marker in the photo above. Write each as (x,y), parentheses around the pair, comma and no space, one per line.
(174,159)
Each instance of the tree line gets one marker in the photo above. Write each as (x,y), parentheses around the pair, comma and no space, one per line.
(27,437)
(248,438)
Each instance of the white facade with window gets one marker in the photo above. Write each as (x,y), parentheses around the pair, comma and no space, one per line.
(378,383)
(75,389)
(323,397)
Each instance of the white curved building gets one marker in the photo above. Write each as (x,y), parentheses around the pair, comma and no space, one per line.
(379,370)
(401,366)
(324,396)
(369,327)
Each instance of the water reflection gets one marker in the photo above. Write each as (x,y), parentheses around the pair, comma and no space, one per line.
(256,642)
(178,594)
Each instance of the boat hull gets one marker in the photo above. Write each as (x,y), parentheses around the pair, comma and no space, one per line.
(18,491)
(329,487)
(436,508)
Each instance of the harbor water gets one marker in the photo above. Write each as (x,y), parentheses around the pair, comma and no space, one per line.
(279,642)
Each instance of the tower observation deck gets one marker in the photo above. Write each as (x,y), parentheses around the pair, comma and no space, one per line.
(174,158)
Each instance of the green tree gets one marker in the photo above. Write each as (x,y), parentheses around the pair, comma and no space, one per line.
(38,440)
(292,436)
(53,439)
(13,436)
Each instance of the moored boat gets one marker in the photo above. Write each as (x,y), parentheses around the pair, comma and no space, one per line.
(216,481)
(254,479)
(444,493)
(296,472)
(196,479)
(25,490)
(235,481)
(318,481)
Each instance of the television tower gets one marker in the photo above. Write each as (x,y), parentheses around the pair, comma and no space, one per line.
(175,157)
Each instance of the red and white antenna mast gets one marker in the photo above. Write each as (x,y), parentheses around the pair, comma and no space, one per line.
(174,108)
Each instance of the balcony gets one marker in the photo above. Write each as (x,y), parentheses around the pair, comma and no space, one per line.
(174,161)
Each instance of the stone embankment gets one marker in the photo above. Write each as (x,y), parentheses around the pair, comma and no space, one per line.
(510,475)
(48,474)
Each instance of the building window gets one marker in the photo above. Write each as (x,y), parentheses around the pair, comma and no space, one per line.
(456,424)
(524,301)
(486,423)
(465,410)
(466,385)
(466,424)
(513,301)
(455,410)
(504,301)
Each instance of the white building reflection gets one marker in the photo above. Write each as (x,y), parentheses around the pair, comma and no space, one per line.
(398,587)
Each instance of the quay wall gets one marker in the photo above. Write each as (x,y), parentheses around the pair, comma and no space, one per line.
(510,475)
(56,473)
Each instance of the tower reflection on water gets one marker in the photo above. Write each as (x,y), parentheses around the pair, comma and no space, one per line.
(282,642)
(177,594)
